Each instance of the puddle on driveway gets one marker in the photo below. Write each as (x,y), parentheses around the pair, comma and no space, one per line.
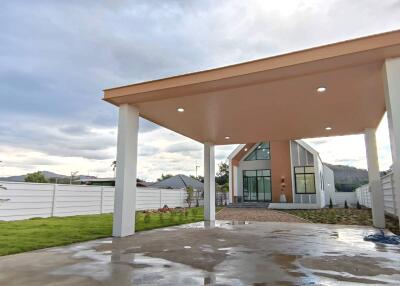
(224,253)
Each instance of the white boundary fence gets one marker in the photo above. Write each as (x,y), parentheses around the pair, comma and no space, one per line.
(364,195)
(28,200)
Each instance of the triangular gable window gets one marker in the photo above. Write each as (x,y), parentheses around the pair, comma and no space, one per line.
(261,152)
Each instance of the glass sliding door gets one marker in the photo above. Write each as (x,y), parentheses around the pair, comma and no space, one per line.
(257,185)
(250,186)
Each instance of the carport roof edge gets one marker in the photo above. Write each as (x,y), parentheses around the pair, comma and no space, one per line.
(274,98)
(126,94)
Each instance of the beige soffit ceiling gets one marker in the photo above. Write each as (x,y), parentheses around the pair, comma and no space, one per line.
(273,98)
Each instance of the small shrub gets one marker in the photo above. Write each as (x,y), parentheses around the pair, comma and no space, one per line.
(330,203)
(186,213)
(161,216)
(173,215)
(345,205)
(358,205)
(147,217)
(181,216)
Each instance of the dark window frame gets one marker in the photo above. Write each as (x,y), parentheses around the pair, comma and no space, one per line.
(257,176)
(258,149)
(304,173)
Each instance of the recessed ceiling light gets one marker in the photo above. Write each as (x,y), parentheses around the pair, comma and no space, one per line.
(180,109)
(245,149)
(227,137)
(321,89)
(328,128)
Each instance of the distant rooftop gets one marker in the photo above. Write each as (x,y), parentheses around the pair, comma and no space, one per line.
(179,182)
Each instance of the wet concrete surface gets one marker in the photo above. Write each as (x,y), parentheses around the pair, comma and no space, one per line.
(227,253)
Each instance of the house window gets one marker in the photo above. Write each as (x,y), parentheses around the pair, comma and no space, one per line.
(261,152)
(305,180)
(257,185)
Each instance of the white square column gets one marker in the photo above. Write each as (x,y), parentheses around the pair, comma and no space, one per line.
(125,183)
(230,193)
(209,182)
(375,186)
(391,76)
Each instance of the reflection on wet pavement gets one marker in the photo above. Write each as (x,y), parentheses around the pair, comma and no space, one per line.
(221,253)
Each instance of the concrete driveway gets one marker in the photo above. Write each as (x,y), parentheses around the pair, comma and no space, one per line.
(258,253)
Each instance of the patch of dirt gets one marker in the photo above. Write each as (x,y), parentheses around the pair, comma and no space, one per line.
(248,214)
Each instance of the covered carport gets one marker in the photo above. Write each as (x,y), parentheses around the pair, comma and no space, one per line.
(339,89)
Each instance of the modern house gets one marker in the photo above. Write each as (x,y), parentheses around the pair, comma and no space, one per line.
(284,174)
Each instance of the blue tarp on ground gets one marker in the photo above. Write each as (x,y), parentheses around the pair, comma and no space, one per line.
(382,238)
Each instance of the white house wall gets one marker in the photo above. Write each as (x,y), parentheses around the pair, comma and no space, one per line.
(319,173)
(329,184)
(300,156)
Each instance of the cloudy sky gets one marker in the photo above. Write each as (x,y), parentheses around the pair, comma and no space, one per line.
(56,57)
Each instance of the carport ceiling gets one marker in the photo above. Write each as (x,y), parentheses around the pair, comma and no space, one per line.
(273,98)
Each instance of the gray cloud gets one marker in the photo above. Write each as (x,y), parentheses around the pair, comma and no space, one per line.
(40,136)
(183,147)
(148,150)
(56,57)
(75,130)
(320,141)
(34,162)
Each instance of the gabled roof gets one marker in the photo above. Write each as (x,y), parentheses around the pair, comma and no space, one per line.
(179,182)
(239,150)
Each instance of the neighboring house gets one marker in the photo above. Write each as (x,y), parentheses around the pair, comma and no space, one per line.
(179,182)
(285,174)
(183,182)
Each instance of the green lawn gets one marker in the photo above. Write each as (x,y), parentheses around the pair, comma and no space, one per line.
(343,216)
(26,235)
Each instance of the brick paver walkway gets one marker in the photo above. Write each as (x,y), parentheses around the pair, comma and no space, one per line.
(247,214)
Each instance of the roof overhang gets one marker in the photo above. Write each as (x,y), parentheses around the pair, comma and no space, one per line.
(273,98)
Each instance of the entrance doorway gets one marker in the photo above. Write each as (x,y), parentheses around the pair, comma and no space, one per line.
(257,186)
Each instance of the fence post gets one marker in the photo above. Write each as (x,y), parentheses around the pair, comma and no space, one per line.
(53,202)
(160,198)
(101,199)
(395,210)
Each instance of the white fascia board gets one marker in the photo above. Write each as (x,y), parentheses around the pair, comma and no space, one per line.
(306,146)
(309,148)
(236,151)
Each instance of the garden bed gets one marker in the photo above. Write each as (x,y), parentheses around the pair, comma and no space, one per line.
(343,216)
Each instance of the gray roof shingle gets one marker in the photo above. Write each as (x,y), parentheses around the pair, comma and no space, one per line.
(179,182)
